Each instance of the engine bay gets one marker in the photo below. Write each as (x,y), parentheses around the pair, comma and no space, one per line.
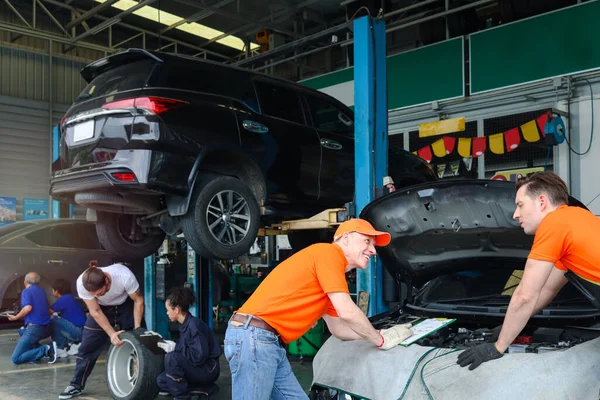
(533,339)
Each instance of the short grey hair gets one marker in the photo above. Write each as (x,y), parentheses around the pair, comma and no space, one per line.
(32,278)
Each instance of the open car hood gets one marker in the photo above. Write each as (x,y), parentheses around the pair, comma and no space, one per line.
(448,226)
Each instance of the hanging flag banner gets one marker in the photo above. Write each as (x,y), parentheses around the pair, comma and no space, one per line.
(441,169)
(438,148)
(512,138)
(449,143)
(468,161)
(530,131)
(497,143)
(479,144)
(464,147)
(425,153)
(442,127)
(454,166)
(541,122)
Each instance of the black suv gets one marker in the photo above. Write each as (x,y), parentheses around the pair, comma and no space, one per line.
(158,143)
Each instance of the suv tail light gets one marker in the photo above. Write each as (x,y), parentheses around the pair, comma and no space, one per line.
(124,177)
(156,105)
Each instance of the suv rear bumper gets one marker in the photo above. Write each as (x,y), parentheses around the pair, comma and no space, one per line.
(99,177)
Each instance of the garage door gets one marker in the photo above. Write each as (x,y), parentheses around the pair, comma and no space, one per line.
(25,150)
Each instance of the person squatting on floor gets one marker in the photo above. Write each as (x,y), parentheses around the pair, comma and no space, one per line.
(193,361)
(309,285)
(37,324)
(68,319)
(113,297)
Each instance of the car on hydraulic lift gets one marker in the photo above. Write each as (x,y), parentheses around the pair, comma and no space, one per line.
(159,144)
(457,253)
(55,249)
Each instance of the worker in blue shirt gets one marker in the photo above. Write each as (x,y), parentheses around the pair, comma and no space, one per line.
(192,362)
(67,326)
(37,324)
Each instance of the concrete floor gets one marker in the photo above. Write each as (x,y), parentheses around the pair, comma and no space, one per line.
(41,381)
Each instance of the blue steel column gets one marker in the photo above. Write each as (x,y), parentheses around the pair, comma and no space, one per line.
(194,278)
(371,135)
(150,303)
(55,155)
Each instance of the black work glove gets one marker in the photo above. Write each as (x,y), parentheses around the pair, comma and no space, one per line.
(495,333)
(477,355)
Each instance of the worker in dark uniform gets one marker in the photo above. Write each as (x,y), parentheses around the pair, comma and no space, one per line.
(194,360)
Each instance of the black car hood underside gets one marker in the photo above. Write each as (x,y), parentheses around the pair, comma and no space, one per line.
(448,226)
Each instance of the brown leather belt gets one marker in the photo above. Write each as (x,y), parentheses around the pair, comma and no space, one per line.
(257,322)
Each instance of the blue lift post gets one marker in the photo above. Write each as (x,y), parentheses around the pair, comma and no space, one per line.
(371,136)
(195,275)
(55,155)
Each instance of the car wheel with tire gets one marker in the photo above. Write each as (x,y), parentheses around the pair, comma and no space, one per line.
(122,236)
(223,219)
(132,368)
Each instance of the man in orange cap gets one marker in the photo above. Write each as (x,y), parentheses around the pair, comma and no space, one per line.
(309,285)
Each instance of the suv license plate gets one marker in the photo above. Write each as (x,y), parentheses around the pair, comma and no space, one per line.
(83,131)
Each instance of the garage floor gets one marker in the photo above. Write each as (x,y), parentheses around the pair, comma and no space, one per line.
(41,381)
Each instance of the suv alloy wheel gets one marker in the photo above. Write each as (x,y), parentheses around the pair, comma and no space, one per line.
(223,218)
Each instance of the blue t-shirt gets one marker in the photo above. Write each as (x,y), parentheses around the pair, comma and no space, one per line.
(35,297)
(69,309)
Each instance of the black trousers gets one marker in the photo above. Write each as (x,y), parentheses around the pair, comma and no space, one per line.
(587,288)
(94,338)
(181,376)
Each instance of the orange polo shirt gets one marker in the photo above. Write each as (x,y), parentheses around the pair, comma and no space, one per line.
(294,295)
(568,237)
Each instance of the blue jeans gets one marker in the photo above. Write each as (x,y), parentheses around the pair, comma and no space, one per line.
(259,365)
(28,347)
(64,332)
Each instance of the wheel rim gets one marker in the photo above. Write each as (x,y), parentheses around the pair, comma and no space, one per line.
(228,217)
(123,369)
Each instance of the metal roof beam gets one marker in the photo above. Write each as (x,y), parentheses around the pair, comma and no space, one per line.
(88,14)
(8,3)
(114,20)
(52,17)
(138,29)
(196,16)
(236,17)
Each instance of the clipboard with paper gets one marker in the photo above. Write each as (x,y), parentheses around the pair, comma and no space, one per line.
(425,328)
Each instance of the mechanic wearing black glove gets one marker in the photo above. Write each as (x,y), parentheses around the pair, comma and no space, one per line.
(564,247)
(478,354)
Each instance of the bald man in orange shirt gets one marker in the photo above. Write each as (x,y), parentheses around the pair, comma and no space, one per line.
(565,244)
(308,286)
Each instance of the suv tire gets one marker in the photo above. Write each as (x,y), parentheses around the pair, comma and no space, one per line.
(212,228)
(113,230)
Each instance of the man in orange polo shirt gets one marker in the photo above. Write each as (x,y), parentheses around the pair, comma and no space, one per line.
(308,286)
(565,245)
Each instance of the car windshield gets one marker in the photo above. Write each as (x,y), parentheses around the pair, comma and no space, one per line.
(486,288)
(10,228)
(124,77)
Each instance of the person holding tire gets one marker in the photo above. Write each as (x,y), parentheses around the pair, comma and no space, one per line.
(309,285)
(192,362)
(115,303)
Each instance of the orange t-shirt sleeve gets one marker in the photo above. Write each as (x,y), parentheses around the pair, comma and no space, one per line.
(560,266)
(329,268)
(550,241)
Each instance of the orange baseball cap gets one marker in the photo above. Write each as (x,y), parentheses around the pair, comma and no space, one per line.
(363,227)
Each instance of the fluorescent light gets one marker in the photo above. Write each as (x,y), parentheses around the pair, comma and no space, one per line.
(192,28)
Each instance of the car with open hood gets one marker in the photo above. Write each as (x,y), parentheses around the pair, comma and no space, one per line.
(457,253)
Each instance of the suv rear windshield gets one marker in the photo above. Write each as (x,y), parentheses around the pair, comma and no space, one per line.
(124,77)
